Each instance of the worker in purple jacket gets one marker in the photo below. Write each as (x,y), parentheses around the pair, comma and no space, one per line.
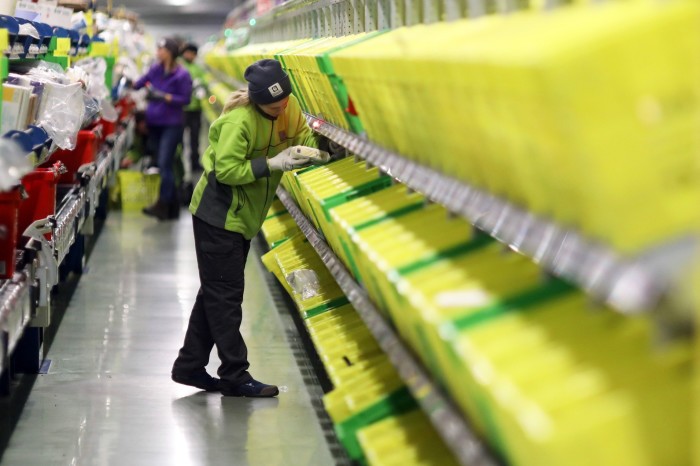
(169,90)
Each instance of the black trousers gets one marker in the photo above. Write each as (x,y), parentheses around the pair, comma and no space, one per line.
(193,122)
(217,314)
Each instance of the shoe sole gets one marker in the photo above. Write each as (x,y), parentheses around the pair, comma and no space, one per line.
(238,395)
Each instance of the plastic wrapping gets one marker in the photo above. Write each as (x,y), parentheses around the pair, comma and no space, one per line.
(14,164)
(109,113)
(63,113)
(95,68)
(78,21)
(63,106)
(92,109)
(47,72)
(304,282)
(127,67)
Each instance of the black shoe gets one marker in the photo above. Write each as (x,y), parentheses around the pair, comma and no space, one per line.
(201,380)
(174,210)
(158,210)
(252,389)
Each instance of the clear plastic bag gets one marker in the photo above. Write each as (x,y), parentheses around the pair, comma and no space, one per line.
(14,164)
(304,282)
(92,109)
(109,113)
(63,113)
(47,72)
(95,68)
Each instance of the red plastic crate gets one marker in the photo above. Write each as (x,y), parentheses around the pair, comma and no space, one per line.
(125,107)
(108,127)
(85,151)
(40,186)
(9,214)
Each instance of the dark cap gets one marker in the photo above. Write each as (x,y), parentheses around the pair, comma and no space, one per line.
(189,47)
(170,45)
(267,82)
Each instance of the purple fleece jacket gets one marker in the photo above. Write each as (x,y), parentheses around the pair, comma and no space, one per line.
(177,83)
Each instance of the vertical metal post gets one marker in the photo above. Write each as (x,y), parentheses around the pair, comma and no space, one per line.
(453,10)
(339,19)
(348,13)
(506,6)
(318,31)
(398,13)
(413,12)
(431,11)
(358,7)
(308,24)
(371,23)
(328,15)
(383,14)
(477,8)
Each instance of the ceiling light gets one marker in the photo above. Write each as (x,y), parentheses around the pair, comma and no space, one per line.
(179,2)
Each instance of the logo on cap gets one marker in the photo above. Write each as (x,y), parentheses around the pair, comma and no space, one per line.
(275,90)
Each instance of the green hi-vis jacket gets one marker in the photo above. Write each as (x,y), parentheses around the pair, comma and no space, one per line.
(236,188)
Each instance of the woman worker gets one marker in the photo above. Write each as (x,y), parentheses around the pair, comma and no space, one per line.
(169,90)
(250,145)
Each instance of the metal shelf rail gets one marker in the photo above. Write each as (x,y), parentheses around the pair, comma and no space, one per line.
(299,19)
(15,312)
(447,420)
(628,284)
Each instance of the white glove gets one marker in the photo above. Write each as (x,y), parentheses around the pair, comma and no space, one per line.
(288,160)
(317,156)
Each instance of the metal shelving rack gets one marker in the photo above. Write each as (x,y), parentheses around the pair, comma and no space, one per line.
(19,306)
(628,284)
(299,19)
(445,417)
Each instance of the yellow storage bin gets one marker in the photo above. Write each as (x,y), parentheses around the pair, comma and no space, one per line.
(402,440)
(464,287)
(406,243)
(238,60)
(137,190)
(320,90)
(294,255)
(328,186)
(365,212)
(276,208)
(277,229)
(541,381)
(574,122)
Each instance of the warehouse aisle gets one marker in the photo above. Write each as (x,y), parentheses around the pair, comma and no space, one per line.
(108,398)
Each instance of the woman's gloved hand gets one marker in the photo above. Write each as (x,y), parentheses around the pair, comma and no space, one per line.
(317,156)
(288,160)
(154,95)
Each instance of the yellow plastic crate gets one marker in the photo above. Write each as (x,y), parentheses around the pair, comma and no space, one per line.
(137,190)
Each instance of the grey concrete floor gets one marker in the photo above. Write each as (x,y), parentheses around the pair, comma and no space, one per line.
(108,398)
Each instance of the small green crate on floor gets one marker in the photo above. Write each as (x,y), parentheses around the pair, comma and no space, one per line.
(137,190)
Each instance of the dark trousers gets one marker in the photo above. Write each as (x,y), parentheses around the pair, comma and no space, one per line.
(193,122)
(163,142)
(217,314)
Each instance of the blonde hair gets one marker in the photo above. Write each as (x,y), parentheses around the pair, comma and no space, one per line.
(237,99)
